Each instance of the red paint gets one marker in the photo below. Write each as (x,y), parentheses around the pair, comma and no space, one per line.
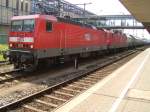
(66,35)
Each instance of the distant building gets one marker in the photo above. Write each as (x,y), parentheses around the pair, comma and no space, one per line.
(59,7)
(9,8)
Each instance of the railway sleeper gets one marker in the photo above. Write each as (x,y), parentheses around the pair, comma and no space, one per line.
(69,89)
(91,79)
(75,88)
(8,76)
(78,87)
(87,81)
(28,108)
(2,78)
(55,98)
(60,96)
(63,93)
(41,105)
(82,84)
(102,73)
(68,92)
(46,103)
(94,76)
(73,92)
(53,101)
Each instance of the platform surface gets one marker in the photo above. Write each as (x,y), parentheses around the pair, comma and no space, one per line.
(125,90)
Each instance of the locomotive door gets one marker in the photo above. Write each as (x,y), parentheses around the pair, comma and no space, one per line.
(107,39)
(62,38)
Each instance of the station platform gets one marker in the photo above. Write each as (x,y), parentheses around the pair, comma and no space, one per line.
(125,90)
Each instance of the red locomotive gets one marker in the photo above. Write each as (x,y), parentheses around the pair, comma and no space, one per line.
(37,38)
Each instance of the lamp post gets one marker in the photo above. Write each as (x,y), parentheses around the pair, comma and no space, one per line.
(84,4)
(59,8)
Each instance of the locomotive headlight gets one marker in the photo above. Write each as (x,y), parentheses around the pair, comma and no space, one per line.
(10,45)
(31,46)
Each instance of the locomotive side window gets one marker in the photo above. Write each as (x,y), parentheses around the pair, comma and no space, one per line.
(48,26)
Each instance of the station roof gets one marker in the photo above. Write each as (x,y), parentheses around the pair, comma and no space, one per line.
(140,9)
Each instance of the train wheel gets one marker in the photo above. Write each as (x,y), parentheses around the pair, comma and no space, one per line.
(16,66)
(31,68)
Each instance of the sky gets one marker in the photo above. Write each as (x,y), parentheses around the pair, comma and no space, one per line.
(109,7)
(101,7)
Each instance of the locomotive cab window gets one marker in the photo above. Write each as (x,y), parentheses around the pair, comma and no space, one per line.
(23,25)
(16,25)
(28,25)
(48,26)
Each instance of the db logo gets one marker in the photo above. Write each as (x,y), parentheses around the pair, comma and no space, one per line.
(88,37)
(19,39)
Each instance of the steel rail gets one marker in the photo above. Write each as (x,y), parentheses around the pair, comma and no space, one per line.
(78,75)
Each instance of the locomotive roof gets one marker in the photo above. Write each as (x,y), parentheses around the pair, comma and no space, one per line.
(65,20)
(53,18)
(48,17)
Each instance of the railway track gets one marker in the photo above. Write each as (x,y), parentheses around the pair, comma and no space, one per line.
(9,76)
(53,97)
(4,63)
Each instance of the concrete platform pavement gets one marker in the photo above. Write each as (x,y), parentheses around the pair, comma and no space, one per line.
(125,90)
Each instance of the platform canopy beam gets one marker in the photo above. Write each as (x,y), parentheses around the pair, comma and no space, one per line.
(140,9)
